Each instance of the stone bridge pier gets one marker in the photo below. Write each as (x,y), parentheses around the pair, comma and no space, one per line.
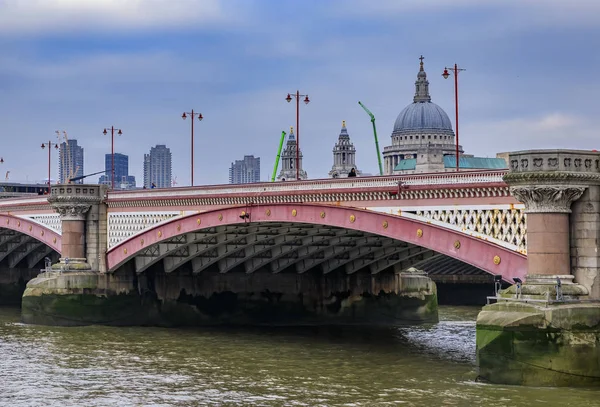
(545,331)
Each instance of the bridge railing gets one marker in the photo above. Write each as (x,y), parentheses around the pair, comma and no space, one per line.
(22,201)
(427,179)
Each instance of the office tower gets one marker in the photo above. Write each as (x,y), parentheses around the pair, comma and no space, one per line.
(157,167)
(245,171)
(122,178)
(70,161)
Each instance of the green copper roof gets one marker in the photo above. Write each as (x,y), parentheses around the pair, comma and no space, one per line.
(476,163)
(408,164)
(470,163)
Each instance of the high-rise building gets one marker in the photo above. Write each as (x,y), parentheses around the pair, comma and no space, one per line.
(245,171)
(157,167)
(288,160)
(122,178)
(70,161)
(344,155)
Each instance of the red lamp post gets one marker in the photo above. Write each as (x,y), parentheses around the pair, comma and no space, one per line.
(455,70)
(193,116)
(297,95)
(49,144)
(112,152)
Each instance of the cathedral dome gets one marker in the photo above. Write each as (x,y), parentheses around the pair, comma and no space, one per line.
(422,116)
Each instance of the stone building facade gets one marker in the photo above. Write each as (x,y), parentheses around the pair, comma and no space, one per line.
(288,160)
(422,132)
(344,155)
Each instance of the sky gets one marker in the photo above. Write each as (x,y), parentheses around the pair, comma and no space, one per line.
(531,79)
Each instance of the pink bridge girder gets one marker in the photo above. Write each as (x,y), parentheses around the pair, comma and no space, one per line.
(39,232)
(480,253)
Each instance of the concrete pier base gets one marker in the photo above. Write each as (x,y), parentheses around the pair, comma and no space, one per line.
(534,340)
(85,297)
(81,298)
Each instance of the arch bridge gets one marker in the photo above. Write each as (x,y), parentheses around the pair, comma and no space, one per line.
(345,225)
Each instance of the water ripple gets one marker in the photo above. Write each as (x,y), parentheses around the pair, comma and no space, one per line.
(104,366)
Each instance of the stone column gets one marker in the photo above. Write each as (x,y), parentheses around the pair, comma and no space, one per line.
(73,203)
(548,208)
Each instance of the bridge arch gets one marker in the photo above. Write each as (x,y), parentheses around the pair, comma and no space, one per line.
(480,253)
(24,239)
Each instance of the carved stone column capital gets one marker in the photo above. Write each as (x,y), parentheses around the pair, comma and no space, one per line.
(547,198)
(72,207)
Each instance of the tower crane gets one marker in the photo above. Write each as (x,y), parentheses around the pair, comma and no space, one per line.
(375,135)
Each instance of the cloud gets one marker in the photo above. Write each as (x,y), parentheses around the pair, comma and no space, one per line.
(42,16)
(551,130)
(520,12)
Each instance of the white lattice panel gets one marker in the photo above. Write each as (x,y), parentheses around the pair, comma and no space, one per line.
(51,221)
(506,225)
(124,225)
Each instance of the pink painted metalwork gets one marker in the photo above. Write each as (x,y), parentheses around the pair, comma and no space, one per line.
(480,253)
(41,233)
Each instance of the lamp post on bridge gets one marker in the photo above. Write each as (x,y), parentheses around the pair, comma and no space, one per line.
(49,144)
(446,74)
(297,95)
(192,115)
(112,152)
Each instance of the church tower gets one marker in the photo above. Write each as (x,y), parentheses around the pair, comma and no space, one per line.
(288,160)
(344,155)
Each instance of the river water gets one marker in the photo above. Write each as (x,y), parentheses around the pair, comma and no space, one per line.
(431,365)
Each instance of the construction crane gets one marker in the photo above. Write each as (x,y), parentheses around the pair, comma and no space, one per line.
(279,154)
(6,178)
(375,135)
(174,181)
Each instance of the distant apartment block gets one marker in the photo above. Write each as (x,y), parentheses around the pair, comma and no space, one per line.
(157,167)
(245,171)
(70,162)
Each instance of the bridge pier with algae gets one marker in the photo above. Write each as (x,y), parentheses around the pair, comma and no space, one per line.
(178,299)
(84,297)
(545,331)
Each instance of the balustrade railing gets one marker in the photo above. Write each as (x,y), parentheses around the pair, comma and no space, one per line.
(359,183)
(26,200)
(290,187)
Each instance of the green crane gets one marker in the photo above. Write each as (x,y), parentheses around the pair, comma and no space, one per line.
(278,156)
(374,134)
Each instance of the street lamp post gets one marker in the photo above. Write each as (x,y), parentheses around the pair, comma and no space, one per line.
(455,70)
(112,152)
(297,95)
(192,116)
(49,144)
